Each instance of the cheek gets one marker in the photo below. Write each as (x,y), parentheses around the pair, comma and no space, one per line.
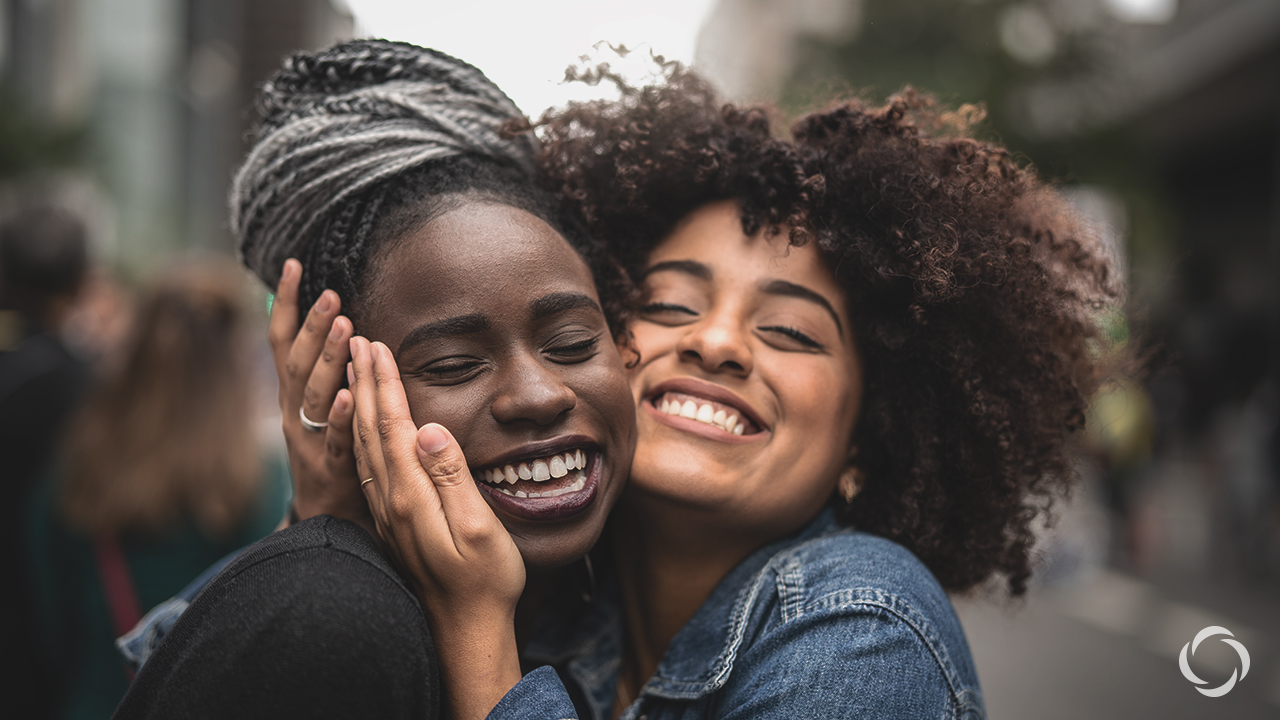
(457,408)
(823,403)
(604,386)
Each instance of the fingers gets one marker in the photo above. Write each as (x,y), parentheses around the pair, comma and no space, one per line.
(368,441)
(326,374)
(303,354)
(283,326)
(339,443)
(471,520)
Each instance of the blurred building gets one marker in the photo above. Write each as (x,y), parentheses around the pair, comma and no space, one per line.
(158,97)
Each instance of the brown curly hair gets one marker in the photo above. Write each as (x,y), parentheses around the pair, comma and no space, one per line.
(973,287)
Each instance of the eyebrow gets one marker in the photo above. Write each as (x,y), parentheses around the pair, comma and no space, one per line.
(688,267)
(783,288)
(556,303)
(545,306)
(449,327)
(790,289)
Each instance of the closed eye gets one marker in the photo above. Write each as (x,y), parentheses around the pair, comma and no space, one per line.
(575,352)
(658,308)
(450,369)
(794,334)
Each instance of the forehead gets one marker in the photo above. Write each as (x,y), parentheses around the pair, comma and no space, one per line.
(713,236)
(481,256)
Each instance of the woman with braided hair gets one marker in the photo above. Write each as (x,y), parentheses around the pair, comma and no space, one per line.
(384,168)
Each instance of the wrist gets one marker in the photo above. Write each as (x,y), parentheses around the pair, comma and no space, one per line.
(479,662)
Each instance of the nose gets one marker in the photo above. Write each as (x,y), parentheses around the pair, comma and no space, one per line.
(532,392)
(717,344)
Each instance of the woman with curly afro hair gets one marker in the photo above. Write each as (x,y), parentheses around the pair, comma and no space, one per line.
(858,355)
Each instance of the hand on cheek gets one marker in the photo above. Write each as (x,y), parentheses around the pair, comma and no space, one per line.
(434,524)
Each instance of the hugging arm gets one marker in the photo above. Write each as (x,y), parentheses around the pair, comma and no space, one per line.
(459,559)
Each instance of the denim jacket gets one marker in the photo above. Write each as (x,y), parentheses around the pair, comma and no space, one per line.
(830,623)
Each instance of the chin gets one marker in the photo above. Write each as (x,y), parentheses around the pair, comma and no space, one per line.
(551,549)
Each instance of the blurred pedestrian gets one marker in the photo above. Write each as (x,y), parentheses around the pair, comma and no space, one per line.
(43,263)
(162,476)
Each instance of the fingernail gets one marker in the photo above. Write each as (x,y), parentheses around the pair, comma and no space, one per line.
(432,438)
(340,402)
(335,332)
(351,375)
(291,267)
(324,303)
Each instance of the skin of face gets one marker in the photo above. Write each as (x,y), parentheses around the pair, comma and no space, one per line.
(759,328)
(497,331)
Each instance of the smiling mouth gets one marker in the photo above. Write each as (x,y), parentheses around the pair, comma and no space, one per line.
(716,414)
(549,476)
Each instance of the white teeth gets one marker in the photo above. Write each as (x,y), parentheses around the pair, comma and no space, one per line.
(541,473)
(521,493)
(704,413)
(580,483)
(555,466)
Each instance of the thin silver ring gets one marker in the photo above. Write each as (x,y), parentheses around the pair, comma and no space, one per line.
(311,425)
(366,481)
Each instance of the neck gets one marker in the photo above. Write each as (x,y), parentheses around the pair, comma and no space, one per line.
(669,562)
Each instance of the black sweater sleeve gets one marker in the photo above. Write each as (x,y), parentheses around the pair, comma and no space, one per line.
(311,622)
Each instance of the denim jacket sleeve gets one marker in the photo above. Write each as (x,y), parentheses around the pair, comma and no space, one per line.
(540,695)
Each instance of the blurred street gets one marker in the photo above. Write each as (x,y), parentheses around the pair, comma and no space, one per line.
(1094,642)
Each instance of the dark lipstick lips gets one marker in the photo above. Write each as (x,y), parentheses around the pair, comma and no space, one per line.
(555,508)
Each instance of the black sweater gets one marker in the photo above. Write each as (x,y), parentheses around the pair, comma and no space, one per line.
(311,622)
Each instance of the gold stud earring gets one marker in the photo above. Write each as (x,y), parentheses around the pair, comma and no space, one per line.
(850,484)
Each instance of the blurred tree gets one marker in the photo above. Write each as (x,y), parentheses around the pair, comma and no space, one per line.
(1021,60)
(27,146)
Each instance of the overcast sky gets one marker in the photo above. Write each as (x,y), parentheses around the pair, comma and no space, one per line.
(525,45)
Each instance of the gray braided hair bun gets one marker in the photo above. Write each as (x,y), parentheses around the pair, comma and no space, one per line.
(339,121)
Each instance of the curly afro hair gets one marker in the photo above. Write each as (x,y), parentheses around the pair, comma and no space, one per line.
(972,284)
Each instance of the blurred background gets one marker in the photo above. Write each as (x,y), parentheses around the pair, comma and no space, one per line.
(1159,118)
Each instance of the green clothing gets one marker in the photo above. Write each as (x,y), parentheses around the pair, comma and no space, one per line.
(73,616)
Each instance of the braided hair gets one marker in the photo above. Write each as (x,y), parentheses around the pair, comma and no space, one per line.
(363,142)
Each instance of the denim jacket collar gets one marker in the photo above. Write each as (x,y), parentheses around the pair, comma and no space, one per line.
(699,658)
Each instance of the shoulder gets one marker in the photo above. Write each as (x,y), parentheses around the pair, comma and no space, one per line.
(871,599)
(845,564)
(311,617)
(322,572)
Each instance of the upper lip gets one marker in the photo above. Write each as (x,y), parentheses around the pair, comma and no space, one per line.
(539,449)
(710,391)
